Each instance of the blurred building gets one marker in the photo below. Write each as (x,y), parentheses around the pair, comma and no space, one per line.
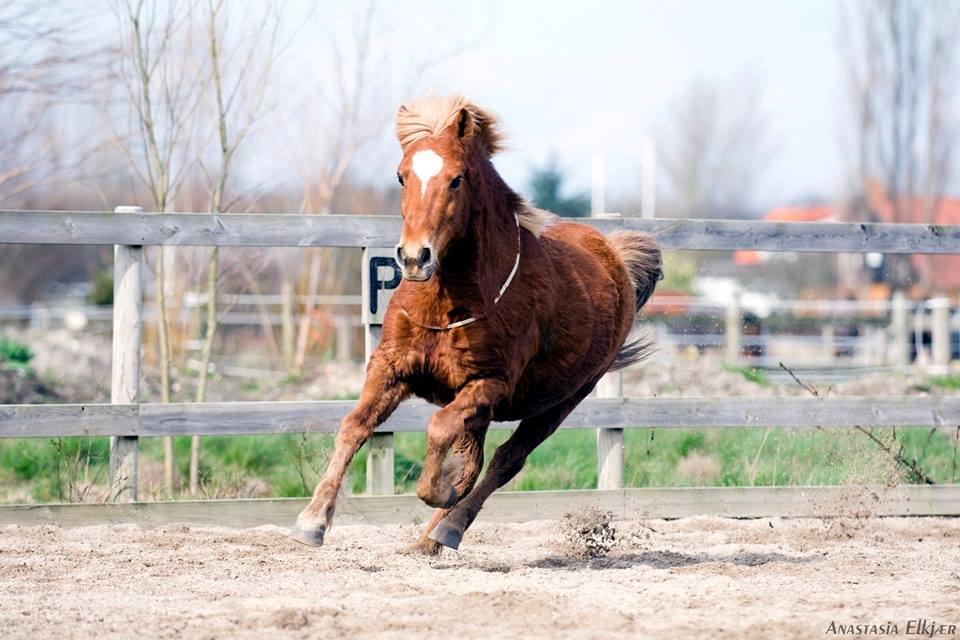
(929,274)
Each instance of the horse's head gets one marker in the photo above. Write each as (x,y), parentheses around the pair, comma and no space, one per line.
(433,202)
(437,136)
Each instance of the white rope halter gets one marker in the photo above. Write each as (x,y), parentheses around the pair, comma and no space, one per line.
(503,289)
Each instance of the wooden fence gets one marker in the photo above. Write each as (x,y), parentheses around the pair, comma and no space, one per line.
(126,419)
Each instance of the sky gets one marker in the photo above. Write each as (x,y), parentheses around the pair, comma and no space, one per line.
(570,78)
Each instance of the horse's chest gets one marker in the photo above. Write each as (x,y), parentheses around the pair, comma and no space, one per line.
(449,365)
(444,367)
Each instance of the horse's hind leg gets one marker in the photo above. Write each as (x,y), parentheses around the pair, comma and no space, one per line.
(462,470)
(506,463)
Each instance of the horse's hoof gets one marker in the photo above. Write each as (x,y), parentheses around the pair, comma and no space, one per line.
(446,535)
(310,537)
(422,548)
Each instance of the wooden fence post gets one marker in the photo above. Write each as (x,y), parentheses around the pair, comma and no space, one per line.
(733,330)
(610,441)
(376,289)
(380,446)
(125,366)
(940,334)
(900,327)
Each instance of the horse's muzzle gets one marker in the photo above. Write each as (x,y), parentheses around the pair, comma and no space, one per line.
(418,274)
(416,263)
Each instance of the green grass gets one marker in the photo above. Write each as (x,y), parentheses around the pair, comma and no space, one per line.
(14,354)
(951,383)
(750,374)
(289,464)
(41,468)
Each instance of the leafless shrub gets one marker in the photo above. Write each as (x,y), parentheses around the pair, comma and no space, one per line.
(78,476)
(716,142)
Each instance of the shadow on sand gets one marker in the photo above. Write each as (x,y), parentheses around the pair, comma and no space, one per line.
(666,560)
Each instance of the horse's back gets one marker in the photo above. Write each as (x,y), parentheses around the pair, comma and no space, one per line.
(583,315)
(583,248)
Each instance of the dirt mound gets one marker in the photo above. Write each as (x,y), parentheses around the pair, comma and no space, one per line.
(588,533)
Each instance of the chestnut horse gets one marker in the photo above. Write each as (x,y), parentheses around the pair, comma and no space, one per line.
(504,313)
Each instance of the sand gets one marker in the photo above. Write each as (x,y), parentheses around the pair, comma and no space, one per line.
(695,577)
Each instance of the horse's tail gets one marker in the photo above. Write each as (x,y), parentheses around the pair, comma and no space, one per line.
(641,256)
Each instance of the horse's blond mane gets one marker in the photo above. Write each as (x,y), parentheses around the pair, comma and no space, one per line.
(431,116)
(535,220)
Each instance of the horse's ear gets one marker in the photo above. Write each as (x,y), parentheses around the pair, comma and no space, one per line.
(476,124)
(465,124)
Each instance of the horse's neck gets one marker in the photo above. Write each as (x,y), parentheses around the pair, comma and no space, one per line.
(496,250)
(478,264)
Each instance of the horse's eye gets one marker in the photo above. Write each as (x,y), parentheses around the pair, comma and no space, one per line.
(400,179)
(455,184)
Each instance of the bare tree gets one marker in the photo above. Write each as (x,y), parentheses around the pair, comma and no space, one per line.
(157,68)
(348,118)
(324,163)
(43,52)
(43,49)
(901,67)
(239,83)
(716,144)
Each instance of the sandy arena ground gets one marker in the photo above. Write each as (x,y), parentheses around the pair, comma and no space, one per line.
(704,577)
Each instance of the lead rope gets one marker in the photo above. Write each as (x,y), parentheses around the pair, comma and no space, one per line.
(472,319)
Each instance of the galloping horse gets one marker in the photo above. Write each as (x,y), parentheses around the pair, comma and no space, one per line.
(504,313)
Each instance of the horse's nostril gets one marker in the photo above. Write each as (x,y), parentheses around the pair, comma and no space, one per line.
(400,256)
(424,256)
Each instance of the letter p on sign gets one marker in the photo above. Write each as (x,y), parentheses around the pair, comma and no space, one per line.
(381,276)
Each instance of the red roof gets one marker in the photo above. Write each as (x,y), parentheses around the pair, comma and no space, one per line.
(942,272)
(912,209)
(787,214)
(801,214)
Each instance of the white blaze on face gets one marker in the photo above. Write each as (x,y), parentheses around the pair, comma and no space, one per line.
(426,164)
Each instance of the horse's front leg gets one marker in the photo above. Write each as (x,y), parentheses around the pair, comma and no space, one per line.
(382,392)
(506,463)
(468,415)
(462,469)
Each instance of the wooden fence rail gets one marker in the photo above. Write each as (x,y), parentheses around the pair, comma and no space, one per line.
(248,418)
(287,230)
(516,506)
(126,420)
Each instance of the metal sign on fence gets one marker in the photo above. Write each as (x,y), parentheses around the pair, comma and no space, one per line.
(381,276)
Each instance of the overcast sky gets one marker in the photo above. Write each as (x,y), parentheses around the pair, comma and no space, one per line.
(569,77)
(566,77)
